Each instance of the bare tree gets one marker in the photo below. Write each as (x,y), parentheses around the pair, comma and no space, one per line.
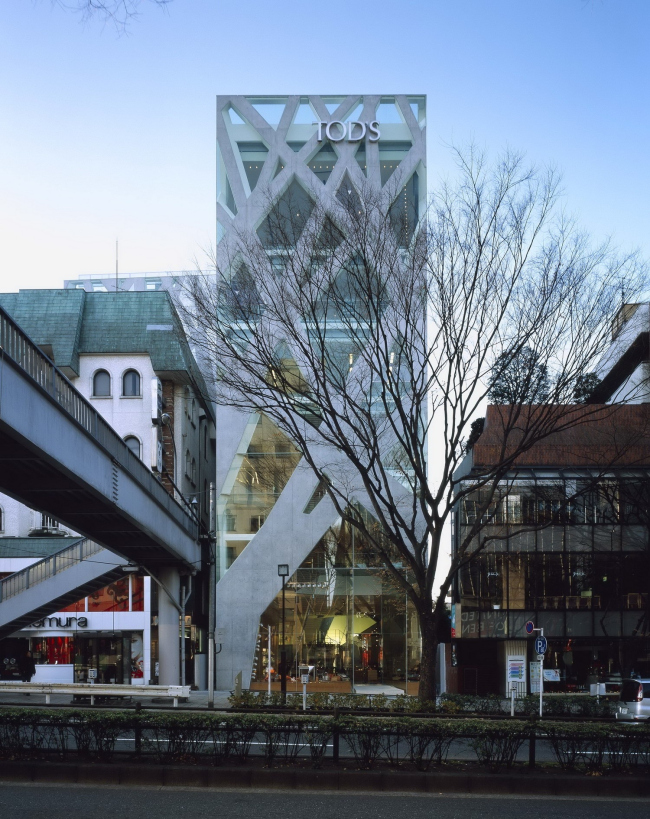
(361,336)
(119,13)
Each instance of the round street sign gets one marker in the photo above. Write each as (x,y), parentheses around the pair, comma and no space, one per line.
(541,645)
(530,627)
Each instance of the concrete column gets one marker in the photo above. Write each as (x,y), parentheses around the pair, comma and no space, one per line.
(169,628)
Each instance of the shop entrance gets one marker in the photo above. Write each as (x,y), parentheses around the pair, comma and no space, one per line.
(109,654)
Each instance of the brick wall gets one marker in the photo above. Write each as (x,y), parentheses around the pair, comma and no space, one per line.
(168,441)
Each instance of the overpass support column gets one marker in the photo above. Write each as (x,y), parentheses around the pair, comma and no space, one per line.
(169,627)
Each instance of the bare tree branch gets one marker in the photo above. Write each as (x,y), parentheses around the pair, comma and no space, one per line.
(360,337)
(119,13)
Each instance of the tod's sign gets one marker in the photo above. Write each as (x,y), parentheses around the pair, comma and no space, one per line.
(354,131)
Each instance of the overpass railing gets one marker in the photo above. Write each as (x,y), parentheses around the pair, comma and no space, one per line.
(48,567)
(16,345)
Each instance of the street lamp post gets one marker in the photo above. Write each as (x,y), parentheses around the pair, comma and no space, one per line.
(283,572)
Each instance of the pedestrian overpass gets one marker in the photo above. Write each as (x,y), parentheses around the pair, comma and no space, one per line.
(54,582)
(59,456)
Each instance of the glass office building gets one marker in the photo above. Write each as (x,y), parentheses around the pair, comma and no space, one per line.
(569,552)
(345,616)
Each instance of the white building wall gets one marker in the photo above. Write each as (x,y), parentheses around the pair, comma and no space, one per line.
(127,415)
(19,520)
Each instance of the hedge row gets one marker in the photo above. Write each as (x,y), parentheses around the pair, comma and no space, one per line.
(558,705)
(216,738)
(256,700)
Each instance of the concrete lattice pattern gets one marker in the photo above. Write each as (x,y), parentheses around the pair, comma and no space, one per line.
(281,134)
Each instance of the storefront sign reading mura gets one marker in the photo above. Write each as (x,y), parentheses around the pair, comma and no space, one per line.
(354,131)
(61,622)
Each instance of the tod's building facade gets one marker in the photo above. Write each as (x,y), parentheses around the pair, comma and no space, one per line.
(341,618)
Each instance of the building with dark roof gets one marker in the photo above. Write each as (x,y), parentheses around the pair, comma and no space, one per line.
(564,544)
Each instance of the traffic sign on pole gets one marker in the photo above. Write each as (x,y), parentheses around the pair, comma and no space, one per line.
(540,657)
(530,627)
(541,644)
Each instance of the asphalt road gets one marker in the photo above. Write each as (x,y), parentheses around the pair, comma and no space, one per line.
(86,802)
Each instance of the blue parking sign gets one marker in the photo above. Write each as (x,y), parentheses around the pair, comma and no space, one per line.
(541,645)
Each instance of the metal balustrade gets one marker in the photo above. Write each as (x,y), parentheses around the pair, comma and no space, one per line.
(48,567)
(16,346)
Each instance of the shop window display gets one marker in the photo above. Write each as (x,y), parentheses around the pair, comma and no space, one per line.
(346,616)
(111,598)
(53,650)
(80,605)
(137,593)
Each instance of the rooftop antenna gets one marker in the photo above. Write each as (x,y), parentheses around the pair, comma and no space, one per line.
(116,266)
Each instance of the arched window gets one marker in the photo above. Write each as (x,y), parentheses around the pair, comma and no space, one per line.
(193,416)
(133,444)
(193,473)
(188,463)
(101,384)
(131,384)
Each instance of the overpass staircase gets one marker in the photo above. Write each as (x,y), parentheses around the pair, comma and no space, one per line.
(59,455)
(54,582)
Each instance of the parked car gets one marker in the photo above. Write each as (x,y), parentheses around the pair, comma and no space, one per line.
(634,701)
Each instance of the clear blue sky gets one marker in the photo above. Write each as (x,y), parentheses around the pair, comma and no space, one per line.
(104,136)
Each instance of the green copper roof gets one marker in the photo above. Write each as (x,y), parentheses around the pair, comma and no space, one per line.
(74,322)
(50,317)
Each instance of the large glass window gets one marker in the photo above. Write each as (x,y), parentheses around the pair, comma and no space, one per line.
(137,593)
(111,598)
(253,157)
(346,617)
(287,218)
(323,163)
(53,650)
(263,472)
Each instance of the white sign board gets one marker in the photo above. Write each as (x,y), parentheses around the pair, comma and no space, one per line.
(534,677)
(517,669)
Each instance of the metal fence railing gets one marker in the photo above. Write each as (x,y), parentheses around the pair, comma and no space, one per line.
(20,349)
(47,567)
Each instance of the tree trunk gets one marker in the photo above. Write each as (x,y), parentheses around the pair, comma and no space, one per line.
(429,633)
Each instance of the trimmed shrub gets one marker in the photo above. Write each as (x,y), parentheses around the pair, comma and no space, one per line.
(497,744)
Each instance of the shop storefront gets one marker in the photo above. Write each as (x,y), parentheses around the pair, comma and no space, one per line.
(345,617)
(109,632)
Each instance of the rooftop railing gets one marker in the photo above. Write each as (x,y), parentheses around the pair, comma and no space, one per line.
(16,345)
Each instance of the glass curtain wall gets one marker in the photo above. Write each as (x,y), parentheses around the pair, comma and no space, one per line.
(573,557)
(345,616)
(261,473)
